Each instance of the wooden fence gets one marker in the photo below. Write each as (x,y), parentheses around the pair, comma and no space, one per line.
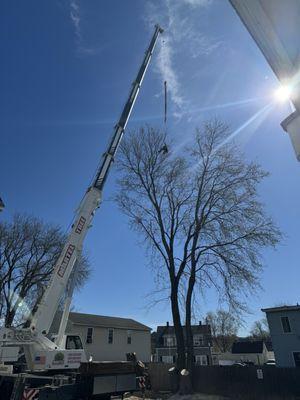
(236,382)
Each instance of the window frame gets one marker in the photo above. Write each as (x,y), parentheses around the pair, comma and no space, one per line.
(199,359)
(199,338)
(170,338)
(284,317)
(77,341)
(129,336)
(89,336)
(110,338)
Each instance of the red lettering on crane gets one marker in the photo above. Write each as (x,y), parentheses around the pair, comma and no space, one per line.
(80,225)
(62,269)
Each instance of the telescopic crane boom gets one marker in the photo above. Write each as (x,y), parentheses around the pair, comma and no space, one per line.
(34,338)
(46,309)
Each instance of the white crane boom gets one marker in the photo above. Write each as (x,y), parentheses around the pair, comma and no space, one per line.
(44,315)
(41,321)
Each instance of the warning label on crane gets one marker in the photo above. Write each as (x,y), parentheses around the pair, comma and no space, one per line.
(62,269)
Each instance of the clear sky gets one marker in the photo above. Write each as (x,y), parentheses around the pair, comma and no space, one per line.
(65,72)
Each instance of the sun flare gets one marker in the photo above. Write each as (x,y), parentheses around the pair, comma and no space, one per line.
(283,93)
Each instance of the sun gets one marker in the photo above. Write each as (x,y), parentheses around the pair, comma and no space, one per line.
(283,93)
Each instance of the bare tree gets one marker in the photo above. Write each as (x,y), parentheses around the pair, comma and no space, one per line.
(229,224)
(224,328)
(154,194)
(29,249)
(199,214)
(260,330)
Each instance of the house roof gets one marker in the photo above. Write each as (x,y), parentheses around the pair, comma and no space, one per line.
(106,321)
(169,330)
(281,308)
(93,320)
(247,347)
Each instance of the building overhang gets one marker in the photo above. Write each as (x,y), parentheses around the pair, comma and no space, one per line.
(281,309)
(274,26)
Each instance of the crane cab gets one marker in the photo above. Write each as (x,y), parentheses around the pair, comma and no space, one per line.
(69,342)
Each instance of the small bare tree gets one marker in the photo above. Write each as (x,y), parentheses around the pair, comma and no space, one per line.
(260,330)
(224,328)
(199,214)
(29,249)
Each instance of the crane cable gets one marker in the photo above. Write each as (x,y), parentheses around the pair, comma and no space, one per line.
(164,149)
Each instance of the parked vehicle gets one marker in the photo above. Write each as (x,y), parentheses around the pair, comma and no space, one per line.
(239,364)
(271,362)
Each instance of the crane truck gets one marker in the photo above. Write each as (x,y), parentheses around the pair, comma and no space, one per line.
(54,369)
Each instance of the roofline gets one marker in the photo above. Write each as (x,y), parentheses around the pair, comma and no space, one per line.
(145,329)
(281,308)
(141,328)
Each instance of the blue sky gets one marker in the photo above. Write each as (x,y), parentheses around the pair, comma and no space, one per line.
(64,76)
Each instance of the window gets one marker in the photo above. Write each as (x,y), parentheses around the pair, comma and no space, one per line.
(128,337)
(198,340)
(110,335)
(74,343)
(89,335)
(201,360)
(285,324)
(167,359)
(169,341)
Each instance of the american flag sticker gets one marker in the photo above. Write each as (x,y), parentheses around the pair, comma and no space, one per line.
(40,360)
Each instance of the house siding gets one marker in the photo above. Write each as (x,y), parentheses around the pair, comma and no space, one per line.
(284,344)
(101,350)
(168,353)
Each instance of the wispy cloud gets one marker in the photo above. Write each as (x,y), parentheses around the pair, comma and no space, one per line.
(75,16)
(182,35)
(197,3)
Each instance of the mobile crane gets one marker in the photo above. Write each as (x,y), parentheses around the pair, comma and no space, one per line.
(49,358)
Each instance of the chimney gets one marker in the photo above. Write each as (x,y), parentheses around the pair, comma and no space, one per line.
(200,322)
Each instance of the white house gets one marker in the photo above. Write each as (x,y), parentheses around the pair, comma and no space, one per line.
(109,338)
(284,324)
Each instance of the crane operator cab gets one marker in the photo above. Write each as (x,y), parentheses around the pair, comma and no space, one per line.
(70,342)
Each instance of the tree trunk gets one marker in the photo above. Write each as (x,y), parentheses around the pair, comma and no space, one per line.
(181,359)
(10,315)
(188,324)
